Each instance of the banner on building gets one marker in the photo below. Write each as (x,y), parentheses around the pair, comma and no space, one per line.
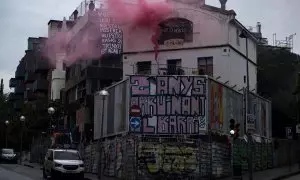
(168,104)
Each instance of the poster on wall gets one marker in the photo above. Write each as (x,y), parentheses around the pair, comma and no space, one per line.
(168,104)
(225,104)
(259,117)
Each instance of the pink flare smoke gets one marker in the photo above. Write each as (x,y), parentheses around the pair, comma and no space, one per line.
(137,17)
(144,15)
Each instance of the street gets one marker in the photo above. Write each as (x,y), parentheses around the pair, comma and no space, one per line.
(297,177)
(17,172)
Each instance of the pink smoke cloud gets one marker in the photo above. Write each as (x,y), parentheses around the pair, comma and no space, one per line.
(86,45)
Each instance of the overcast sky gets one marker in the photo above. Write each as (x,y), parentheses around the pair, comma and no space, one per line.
(21,19)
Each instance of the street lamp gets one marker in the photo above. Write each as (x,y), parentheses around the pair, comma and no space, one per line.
(51,111)
(103,94)
(22,120)
(6,134)
(244,35)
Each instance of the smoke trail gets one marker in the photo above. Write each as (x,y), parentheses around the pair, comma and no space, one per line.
(141,16)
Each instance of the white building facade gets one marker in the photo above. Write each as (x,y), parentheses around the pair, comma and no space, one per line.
(209,43)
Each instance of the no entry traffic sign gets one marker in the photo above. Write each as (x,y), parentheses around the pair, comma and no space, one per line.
(135,111)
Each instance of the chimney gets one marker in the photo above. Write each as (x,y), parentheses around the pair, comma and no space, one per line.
(258,25)
(75,13)
(64,27)
(223,4)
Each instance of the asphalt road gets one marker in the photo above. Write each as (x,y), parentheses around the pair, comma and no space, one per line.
(297,177)
(17,172)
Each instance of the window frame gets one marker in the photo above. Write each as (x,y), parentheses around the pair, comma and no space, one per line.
(207,67)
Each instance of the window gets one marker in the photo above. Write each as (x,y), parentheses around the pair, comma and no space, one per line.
(94,85)
(176,28)
(237,37)
(144,67)
(174,67)
(7,151)
(205,66)
(66,155)
(95,62)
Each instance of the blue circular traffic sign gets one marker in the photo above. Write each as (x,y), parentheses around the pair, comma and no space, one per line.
(135,122)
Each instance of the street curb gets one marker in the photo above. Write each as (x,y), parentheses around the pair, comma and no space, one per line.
(287,176)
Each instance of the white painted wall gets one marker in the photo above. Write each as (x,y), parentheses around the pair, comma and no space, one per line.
(241,47)
(57,83)
(229,66)
(58,77)
(210,29)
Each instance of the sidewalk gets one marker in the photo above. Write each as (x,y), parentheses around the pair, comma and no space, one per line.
(272,174)
(88,176)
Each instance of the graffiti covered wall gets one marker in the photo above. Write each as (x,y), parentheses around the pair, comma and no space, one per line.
(158,156)
(168,104)
(224,104)
(118,157)
(260,111)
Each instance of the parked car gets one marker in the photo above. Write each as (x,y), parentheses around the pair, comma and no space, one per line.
(63,163)
(8,156)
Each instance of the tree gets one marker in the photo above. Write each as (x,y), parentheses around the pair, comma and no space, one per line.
(277,73)
(4,115)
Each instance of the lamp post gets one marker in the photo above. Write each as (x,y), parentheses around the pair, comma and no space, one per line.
(6,133)
(51,111)
(244,35)
(103,94)
(22,120)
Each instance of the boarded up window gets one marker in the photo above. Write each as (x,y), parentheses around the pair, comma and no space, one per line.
(176,28)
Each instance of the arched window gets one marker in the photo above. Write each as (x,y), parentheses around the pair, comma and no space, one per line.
(176,28)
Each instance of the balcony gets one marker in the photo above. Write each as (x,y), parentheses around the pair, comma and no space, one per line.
(20,87)
(29,60)
(29,77)
(114,73)
(40,85)
(12,82)
(20,72)
(13,97)
(29,95)
(41,65)
(164,69)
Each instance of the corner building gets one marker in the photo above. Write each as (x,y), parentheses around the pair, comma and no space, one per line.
(171,114)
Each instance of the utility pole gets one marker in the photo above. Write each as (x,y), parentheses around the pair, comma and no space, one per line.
(244,35)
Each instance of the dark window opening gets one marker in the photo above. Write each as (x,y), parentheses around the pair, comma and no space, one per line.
(95,62)
(66,155)
(176,28)
(174,67)
(205,66)
(144,67)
